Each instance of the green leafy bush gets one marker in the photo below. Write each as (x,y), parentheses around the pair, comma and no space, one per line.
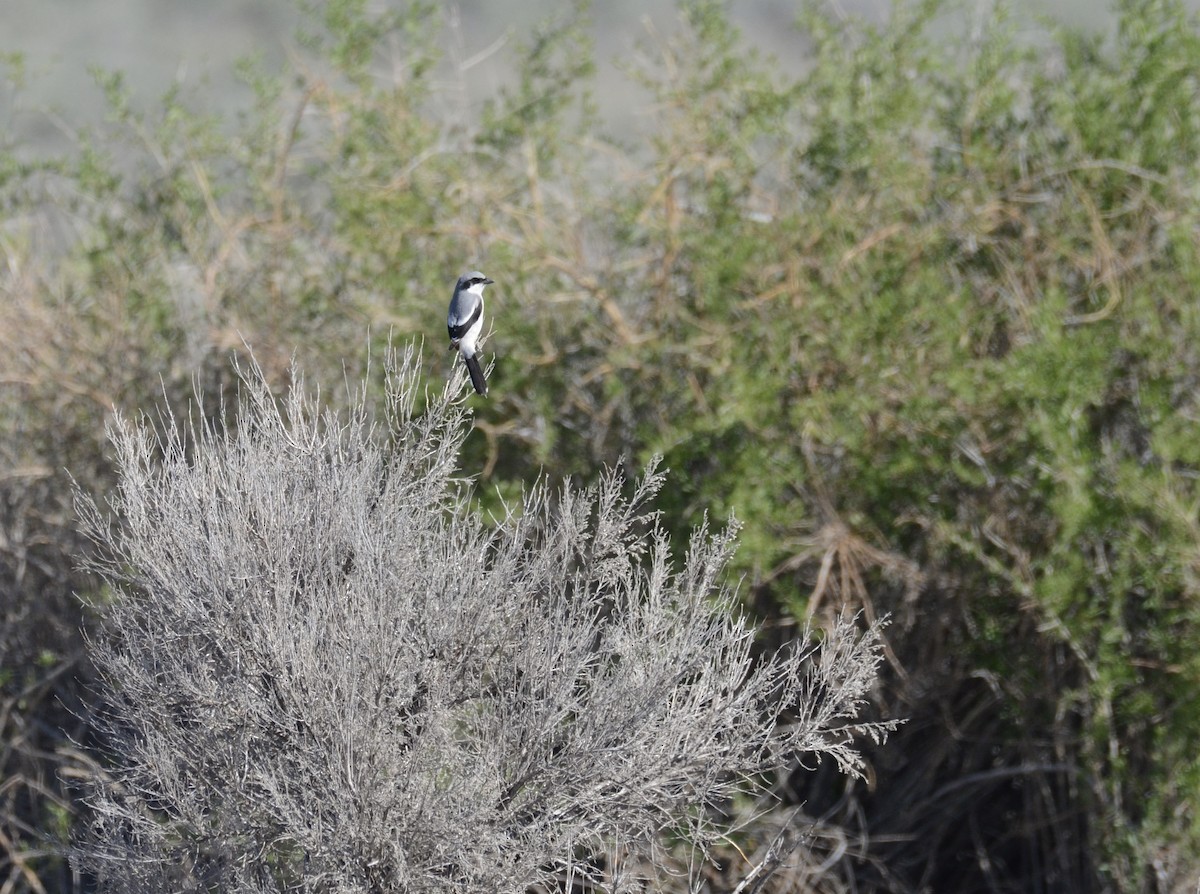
(940,338)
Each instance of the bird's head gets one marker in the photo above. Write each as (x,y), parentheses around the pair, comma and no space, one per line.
(473,282)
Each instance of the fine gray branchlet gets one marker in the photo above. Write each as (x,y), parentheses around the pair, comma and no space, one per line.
(325,671)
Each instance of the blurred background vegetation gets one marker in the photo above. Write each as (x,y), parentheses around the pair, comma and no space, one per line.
(920,304)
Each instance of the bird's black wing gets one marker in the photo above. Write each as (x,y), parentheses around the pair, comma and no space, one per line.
(458,331)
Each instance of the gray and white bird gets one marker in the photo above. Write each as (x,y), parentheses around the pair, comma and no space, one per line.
(465,322)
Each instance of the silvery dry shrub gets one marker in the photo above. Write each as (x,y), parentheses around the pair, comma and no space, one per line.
(326,672)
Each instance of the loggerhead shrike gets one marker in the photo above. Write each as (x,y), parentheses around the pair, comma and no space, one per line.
(465,322)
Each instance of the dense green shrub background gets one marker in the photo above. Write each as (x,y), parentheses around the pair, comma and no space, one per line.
(927,319)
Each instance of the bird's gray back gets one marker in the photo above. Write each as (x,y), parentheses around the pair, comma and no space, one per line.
(462,306)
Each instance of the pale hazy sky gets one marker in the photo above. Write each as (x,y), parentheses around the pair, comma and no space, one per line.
(157,42)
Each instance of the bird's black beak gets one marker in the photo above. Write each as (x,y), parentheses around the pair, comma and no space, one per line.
(488,282)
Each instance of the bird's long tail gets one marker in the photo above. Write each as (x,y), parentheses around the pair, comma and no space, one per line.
(476,372)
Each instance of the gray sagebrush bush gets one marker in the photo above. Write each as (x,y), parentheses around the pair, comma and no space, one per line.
(325,672)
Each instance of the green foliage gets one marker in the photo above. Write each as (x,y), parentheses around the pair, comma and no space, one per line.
(1137,103)
(550,72)
(947,338)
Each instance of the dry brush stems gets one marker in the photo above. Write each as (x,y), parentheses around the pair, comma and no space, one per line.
(327,673)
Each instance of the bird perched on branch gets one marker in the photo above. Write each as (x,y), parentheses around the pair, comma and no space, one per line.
(465,322)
